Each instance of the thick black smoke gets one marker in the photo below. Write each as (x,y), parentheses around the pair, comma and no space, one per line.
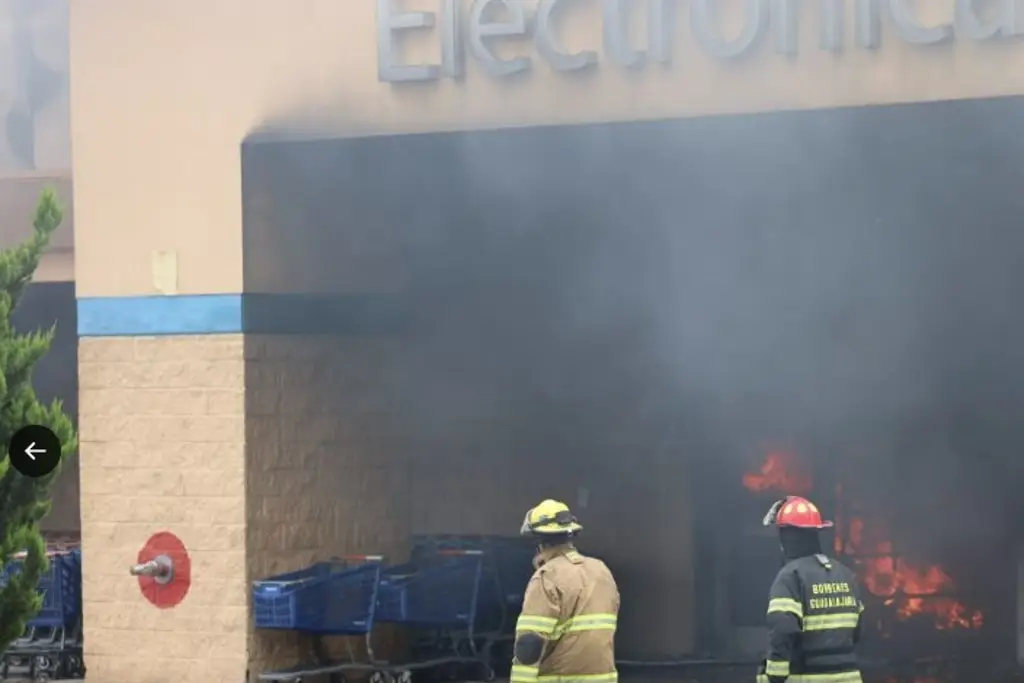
(847,281)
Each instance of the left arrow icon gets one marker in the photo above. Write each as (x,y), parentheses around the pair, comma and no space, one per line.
(34,450)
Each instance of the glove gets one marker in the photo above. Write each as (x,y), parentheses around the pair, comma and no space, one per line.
(761,676)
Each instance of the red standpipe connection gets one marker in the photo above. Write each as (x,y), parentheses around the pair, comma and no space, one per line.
(164,570)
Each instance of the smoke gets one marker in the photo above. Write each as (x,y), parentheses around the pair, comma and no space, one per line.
(34,78)
(844,281)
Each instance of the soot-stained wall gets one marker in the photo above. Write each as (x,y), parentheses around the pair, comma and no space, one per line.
(612,314)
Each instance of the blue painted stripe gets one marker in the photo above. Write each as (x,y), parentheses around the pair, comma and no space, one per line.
(160,315)
(234,313)
(340,314)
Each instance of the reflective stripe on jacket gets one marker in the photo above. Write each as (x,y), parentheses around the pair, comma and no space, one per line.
(845,677)
(814,611)
(573,603)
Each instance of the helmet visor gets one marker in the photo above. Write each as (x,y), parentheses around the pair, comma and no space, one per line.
(526,529)
(562,522)
(773,513)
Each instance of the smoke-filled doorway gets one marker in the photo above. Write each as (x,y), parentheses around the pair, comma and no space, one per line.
(654,320)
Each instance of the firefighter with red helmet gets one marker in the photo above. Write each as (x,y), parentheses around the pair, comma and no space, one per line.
(814,607)
(566,631)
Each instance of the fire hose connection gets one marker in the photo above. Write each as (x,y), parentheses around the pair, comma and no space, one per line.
(160,569)
(163,570)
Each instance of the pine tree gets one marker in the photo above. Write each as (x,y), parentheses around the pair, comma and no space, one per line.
(24,501)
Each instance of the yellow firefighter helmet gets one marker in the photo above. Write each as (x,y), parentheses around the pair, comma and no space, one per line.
(550,518)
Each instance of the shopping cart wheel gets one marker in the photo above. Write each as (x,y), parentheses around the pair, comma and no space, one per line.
(40,668)
(382,677)
(404,676)
(74,667)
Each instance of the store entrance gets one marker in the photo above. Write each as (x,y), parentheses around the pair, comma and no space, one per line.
(634,316)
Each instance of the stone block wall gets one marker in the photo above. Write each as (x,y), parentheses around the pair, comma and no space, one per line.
(263,454)
(163,448)
(267,453)
(472,485)
(327,467)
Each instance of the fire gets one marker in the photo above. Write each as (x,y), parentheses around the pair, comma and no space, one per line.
(908,589)
(782,472)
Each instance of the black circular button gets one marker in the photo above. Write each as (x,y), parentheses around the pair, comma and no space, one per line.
(34,451)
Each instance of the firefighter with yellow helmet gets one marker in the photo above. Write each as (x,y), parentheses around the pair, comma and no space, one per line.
(566,631)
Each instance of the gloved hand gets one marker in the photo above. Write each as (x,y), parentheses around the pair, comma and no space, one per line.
(761,676)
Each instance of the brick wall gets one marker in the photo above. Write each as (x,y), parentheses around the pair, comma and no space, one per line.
(162,448)
(268,453)
(631,493)
(327,473)
(473,483)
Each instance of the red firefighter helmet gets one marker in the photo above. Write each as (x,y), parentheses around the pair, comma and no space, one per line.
(794,511)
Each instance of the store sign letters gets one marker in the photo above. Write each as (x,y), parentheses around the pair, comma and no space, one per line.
(488,21)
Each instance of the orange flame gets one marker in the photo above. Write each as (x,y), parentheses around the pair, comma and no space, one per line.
(780,472)
(909,590)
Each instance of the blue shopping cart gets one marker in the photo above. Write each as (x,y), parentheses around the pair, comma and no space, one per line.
(507,568)
(438,591)
(328,598)
(333,598)
(437,598)
(51,646)
(60,587)
(437,594)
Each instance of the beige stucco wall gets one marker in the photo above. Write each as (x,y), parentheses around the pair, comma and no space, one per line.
(156,137)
